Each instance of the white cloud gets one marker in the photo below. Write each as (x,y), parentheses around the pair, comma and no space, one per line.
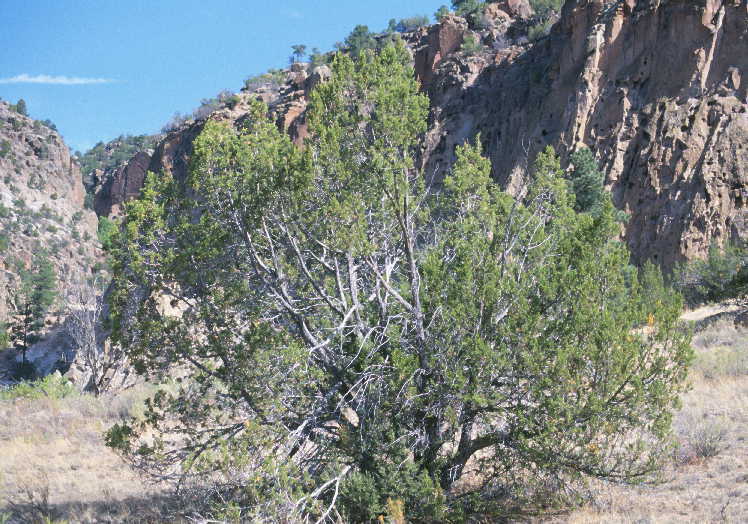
(48,79)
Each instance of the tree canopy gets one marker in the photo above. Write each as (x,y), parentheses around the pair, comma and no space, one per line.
(350,338)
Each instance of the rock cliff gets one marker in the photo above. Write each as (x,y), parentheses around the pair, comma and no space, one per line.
(654,88)
(41,207)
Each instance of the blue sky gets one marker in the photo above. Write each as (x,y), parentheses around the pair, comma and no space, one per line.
(108,67)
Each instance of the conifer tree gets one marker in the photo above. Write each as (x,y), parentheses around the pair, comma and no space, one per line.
(32,302)
(587,182)
(21,107)
(348,336)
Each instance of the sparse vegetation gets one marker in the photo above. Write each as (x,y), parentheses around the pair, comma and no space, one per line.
(471,45)
(723,274)
(112,154)
(405,25)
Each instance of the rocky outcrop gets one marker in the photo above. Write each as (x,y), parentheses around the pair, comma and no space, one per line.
(124,184)
(41,208)
(656,89)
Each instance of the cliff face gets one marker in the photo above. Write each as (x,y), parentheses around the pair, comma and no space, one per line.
(41,205)
(655,88)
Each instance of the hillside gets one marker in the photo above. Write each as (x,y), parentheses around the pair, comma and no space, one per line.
(41,211)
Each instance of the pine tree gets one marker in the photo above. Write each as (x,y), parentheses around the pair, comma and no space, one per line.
(21,107)
(299,52)
(587,182)
(32,302)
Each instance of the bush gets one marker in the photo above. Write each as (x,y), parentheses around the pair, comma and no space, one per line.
(707,439)
(52,386)
(406,25)
(4,148)
(722,275)
(88,201)
(471,45)
(546,8)
(273,78)
(539,30)
(232,101)
(20,107)
(441,13)
(106,231)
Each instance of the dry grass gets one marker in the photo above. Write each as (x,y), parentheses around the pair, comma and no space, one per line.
(55,465)
(707,480)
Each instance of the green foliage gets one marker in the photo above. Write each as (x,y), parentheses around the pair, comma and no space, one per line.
(48,123)
(441,13)
(406,25)
(4,148)
(587,182)
(366,496)
(20,107)
(465,8)
(545,8)
(471,45)
(347,330)
(723,274)
(360,39)
(317,58)
(272,78)
(32,301)
(106,231)
(4,336)
(299,52)
(471,10)
(232,101)
(52,386)
(546,12)
(539,30)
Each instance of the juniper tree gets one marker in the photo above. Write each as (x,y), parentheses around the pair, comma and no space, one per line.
(345,334)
